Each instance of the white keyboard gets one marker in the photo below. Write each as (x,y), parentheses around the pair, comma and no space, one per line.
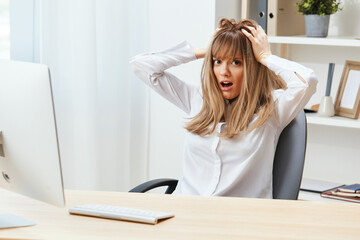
(120,213)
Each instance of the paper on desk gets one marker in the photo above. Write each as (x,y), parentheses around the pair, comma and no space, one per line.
(318,186)
(11,221)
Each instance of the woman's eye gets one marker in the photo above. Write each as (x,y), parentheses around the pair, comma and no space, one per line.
(217,61)
(236,62)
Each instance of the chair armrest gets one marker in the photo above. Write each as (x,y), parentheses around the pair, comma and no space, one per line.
(144,187)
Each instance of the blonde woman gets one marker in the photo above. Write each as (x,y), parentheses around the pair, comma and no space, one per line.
(246,97)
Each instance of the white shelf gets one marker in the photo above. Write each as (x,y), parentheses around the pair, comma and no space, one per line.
(328,41)
(313,118)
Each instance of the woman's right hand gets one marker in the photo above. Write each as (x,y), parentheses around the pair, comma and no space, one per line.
(259,42)
(200,52)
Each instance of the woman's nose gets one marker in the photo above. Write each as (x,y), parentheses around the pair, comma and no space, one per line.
(224,70)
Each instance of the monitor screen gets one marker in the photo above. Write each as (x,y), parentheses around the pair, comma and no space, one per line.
(29,148)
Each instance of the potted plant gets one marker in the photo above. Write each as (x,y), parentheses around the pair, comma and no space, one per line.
(317,15)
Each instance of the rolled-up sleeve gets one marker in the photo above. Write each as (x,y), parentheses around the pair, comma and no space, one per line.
(290,101)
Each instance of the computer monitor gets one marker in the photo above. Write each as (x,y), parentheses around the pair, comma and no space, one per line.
(29,147)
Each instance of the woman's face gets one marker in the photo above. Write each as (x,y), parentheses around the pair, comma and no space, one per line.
(229,75)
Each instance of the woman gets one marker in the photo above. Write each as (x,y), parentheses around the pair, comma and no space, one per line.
(247,96)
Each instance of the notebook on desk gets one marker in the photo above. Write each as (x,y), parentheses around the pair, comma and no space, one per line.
(317,186)
(338,195)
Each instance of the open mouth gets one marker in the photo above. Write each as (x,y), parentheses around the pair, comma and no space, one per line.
(226,84)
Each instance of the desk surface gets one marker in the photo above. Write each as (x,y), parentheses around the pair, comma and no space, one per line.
(195,218)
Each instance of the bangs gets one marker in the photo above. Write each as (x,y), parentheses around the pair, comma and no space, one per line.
(228,45)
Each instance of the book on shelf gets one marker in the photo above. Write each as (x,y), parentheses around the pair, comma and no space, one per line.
(283,19)
(276,17)
(350,193)
(262,14)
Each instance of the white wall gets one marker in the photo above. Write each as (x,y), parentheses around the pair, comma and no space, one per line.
(333,154)
(223,9)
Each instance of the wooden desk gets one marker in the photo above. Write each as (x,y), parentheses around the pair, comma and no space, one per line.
(195,218)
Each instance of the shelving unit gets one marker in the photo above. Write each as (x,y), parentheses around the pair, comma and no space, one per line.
(329,41)
(332,152)
(350,41)
(313,118)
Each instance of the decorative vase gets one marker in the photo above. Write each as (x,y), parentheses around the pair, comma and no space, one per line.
(326,108)
(316,25)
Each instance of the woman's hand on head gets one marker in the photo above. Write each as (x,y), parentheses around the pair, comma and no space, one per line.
(259,42)
(200,52)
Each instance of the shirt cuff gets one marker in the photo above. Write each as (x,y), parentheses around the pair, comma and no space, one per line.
(183,50)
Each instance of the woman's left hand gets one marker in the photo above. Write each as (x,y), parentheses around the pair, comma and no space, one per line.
(260,44)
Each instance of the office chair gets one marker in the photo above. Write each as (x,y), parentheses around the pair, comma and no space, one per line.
(287,168)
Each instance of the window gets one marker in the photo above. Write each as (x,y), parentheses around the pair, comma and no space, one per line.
(4,30)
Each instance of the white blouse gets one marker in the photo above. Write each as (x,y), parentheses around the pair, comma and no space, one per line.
(212,165)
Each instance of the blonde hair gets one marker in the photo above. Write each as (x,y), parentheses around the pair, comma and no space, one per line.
(255,95)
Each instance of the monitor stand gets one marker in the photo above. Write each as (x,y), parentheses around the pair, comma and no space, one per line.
(12,221)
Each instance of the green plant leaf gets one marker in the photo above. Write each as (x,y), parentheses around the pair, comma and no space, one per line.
(319,7)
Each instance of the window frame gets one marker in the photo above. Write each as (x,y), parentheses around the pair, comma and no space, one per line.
(25,30)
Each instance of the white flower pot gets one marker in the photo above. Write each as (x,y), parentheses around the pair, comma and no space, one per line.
(316,25)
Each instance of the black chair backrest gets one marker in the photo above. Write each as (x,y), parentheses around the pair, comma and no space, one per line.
(289,159)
